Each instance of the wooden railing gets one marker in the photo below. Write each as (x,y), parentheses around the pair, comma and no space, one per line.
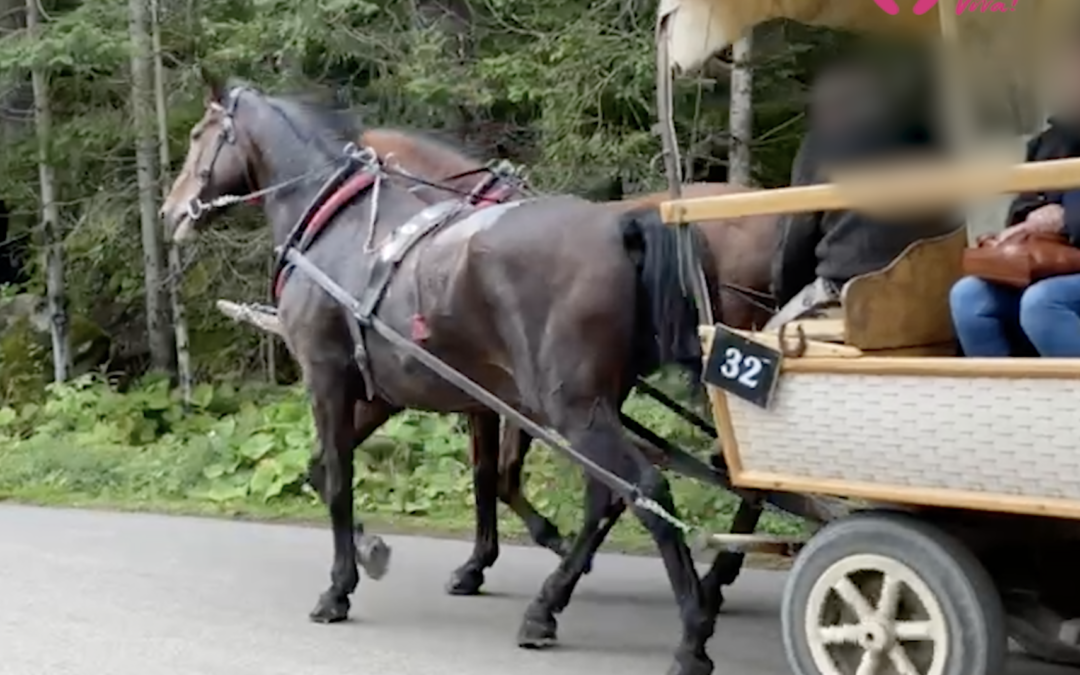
(924,186)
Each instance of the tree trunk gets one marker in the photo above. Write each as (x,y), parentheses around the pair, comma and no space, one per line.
(50,212)
(741,121)
(16,94)
(176,268)
(142,92)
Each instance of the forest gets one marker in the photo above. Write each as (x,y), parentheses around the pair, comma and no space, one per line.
(121,384)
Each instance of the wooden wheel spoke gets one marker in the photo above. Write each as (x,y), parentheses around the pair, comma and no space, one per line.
(911,631)
(848,633)
(900,661)
(869,663)
(854,598)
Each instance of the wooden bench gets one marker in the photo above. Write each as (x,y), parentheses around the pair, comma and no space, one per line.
(900,310)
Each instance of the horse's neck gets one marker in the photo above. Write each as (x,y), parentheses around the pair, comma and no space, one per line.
(285,161)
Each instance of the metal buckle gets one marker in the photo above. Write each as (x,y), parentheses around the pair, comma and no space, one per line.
(228,129)
(365,155)
(195,208)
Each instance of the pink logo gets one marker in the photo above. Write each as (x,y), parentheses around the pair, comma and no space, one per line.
(977,6)
(924,6)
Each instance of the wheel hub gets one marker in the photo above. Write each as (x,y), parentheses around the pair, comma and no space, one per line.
(876,636)
(868,614)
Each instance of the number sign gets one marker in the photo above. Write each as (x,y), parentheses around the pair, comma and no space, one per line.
(742,367)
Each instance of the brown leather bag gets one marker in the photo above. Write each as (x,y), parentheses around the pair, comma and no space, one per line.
(1023,260)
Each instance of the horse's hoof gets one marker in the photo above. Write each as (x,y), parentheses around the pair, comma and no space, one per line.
(588,566)
(537,632)
(691,665)
(465,581)
(373,555)
(330,609)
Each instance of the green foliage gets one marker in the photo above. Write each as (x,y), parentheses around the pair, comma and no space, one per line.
(247,449)
(24,363)
(566,87)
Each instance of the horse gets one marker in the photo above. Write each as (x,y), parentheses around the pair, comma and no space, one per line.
(742,249)
(549,308)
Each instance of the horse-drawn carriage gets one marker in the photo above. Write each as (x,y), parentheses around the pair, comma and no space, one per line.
(970,456)
(966,468)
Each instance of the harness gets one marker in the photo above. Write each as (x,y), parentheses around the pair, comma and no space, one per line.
(362,171)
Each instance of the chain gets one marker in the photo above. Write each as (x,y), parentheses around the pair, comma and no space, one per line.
(654,507)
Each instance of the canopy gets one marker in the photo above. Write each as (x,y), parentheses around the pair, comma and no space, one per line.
(700,28)
(1002,56)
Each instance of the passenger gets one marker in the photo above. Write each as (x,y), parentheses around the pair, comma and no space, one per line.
(854,116)
(1043,319)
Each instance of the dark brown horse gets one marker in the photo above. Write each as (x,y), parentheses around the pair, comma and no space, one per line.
(553,305)
(742,249)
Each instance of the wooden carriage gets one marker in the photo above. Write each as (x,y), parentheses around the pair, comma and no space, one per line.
(969,469)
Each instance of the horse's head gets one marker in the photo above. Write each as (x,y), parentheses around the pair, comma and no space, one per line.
(219,162)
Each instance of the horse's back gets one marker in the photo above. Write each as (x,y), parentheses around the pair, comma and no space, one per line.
(531,250)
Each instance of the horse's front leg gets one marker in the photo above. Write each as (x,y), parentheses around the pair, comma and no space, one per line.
(342,420)
(484,436)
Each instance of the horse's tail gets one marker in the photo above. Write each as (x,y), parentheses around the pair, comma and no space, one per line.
(666,317)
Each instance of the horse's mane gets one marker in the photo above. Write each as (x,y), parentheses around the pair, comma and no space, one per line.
(325,111)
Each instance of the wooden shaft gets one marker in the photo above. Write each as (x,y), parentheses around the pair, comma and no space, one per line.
(927,187)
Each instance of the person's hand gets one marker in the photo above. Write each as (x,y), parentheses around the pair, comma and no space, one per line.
(1049,219)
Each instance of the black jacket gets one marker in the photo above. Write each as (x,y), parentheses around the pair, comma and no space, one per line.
(839,245)
(1060,140)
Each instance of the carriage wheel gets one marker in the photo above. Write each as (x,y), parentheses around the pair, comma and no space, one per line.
(880,593)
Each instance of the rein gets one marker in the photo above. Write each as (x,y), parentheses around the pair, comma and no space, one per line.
(478,194)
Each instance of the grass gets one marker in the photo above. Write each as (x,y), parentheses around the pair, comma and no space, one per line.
(242,453)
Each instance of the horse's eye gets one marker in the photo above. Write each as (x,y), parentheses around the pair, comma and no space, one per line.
(204,174)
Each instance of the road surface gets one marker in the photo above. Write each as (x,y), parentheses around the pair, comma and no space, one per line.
(92,593)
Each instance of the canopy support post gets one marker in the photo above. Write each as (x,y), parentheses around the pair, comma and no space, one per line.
(693,274)
(664,104)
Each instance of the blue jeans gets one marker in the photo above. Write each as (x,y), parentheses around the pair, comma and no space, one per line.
(995,320)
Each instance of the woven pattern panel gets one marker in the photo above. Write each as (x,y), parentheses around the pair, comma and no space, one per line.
(1000,436)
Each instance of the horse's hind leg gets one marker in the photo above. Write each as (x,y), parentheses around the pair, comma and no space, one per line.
(602,511)
(727,564)
(600,438)
(343,420)
(514,444)
(484,430)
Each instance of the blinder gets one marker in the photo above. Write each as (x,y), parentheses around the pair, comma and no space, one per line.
(196,208)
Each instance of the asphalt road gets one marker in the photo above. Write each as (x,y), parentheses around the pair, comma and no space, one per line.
(92,593)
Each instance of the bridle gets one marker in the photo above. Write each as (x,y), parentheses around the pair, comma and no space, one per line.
(227,136)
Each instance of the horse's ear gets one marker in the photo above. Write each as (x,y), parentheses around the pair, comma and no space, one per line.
(215,85)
